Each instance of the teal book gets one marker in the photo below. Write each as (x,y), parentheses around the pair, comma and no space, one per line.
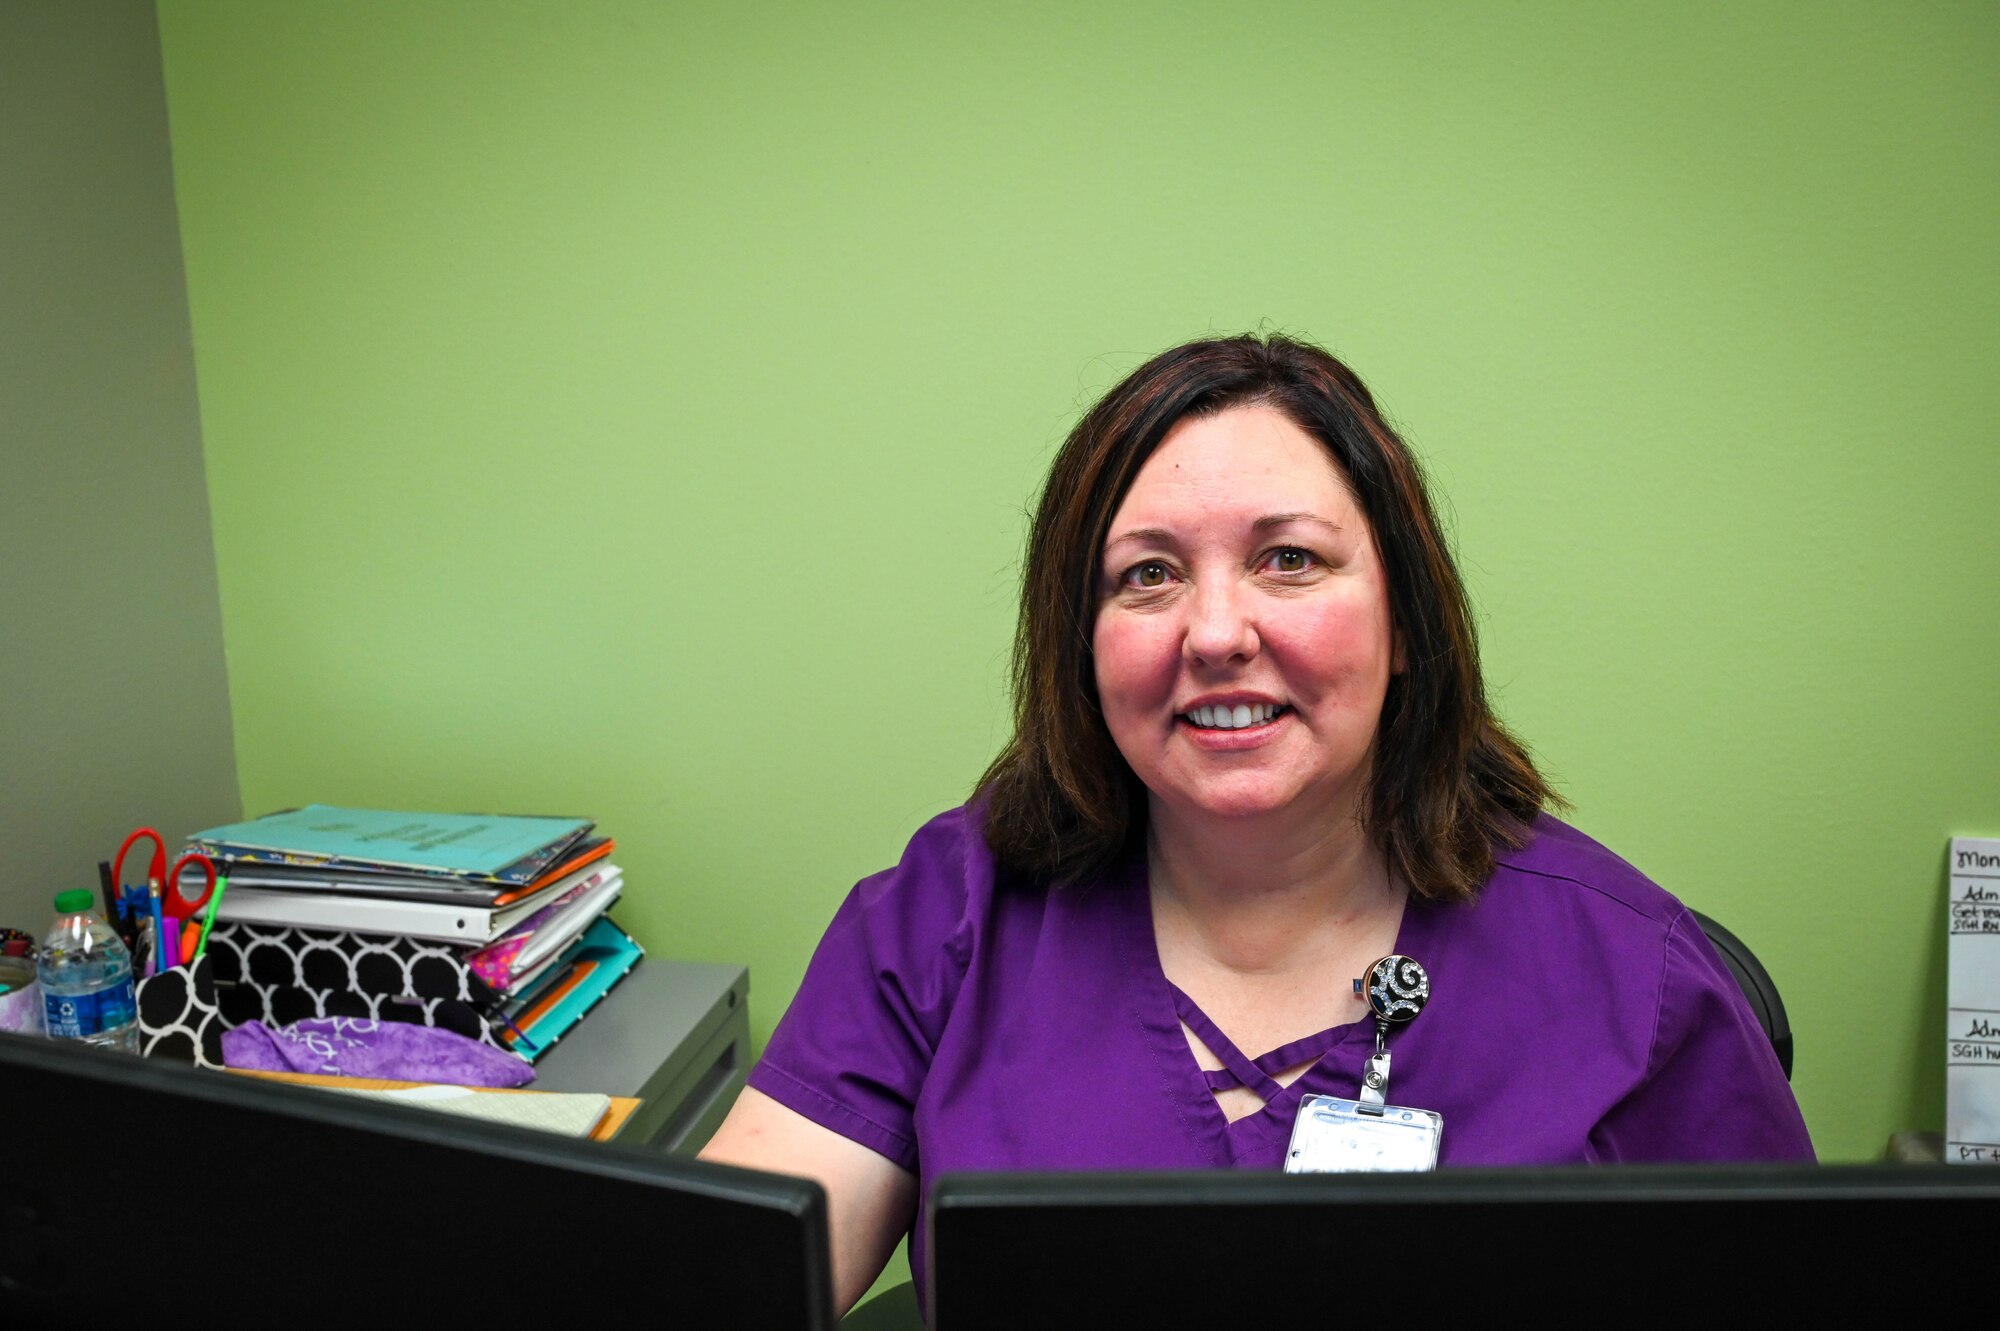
(501,848)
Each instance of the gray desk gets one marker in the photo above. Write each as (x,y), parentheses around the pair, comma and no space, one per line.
(674,1033)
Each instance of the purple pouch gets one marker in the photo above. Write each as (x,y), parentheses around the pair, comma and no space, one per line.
(356,1047)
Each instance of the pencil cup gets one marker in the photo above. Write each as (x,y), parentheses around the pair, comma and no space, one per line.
(21,1010)
(178,1015)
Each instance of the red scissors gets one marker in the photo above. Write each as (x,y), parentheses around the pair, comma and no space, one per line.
(172,895)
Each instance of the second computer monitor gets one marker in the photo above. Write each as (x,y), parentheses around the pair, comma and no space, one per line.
(1614,1246)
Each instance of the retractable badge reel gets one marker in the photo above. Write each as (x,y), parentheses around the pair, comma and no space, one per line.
(1368,1134)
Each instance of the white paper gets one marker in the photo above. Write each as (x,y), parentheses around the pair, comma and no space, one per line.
(562,929)
(1972,1019)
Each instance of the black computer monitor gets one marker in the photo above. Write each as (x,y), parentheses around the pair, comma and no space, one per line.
(1619,1246)
(136,1192)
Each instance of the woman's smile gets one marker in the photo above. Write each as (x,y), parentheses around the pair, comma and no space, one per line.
(1231,725)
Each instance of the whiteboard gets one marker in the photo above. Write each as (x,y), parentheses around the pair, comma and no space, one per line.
(1972,1022)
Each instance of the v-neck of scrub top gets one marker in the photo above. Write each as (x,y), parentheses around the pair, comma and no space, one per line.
(1257,1074)
(1259,1138)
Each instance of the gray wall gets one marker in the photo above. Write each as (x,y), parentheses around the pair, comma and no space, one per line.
(114,697)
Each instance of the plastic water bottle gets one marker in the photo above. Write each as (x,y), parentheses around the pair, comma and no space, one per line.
(86,976)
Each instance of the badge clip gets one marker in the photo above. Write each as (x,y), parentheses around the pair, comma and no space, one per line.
(1396,987)
(1375,1080)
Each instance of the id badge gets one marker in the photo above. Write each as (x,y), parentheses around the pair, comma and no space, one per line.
(1334,1136)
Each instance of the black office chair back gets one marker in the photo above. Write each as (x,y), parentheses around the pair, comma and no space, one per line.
(1757,986)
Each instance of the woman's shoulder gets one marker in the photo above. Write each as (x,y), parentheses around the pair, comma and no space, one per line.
(1588,925)
(1560,865)
(1561,898)
(948,901)
(937,892)
(946,851)
(945,857)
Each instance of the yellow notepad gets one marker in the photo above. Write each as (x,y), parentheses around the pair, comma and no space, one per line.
(615,1118)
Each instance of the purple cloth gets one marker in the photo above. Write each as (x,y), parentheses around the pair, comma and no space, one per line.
(951,1022)
(351,1047)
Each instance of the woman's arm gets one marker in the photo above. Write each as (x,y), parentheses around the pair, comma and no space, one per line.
(869,1199)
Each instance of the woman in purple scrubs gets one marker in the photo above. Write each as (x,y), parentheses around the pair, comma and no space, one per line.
(1252,755)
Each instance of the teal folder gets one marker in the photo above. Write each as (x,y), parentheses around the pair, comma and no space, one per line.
(499,847)
(592,968)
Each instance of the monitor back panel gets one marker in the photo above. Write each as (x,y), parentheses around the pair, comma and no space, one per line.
(133,1190)
(1623,1244)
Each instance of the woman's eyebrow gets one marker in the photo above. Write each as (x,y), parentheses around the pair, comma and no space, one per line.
(1161,536)
(1286,519)
(1142,535)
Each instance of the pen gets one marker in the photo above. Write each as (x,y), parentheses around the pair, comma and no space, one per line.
(501,1012)
(208,919)
(158,961)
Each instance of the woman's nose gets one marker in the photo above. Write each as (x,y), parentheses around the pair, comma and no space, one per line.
(1219,625)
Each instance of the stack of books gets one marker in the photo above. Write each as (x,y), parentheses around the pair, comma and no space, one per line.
(516,904)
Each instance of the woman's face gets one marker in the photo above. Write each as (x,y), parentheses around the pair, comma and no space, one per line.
(1243,637)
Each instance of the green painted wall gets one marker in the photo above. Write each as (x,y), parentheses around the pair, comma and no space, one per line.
(630,408)
(114,704)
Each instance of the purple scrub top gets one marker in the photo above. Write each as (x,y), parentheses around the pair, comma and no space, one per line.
(955,1019)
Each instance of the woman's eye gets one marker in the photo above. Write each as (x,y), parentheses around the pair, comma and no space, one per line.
(1290,560)
(1152,573)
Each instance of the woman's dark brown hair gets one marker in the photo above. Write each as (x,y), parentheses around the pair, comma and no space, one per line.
(1448,786)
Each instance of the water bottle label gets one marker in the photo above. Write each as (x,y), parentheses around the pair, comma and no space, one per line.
(117,1006)
(71,1016)
(79,1016)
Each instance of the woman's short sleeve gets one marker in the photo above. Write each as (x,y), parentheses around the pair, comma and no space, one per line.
(1713,1089)
(854,1048)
